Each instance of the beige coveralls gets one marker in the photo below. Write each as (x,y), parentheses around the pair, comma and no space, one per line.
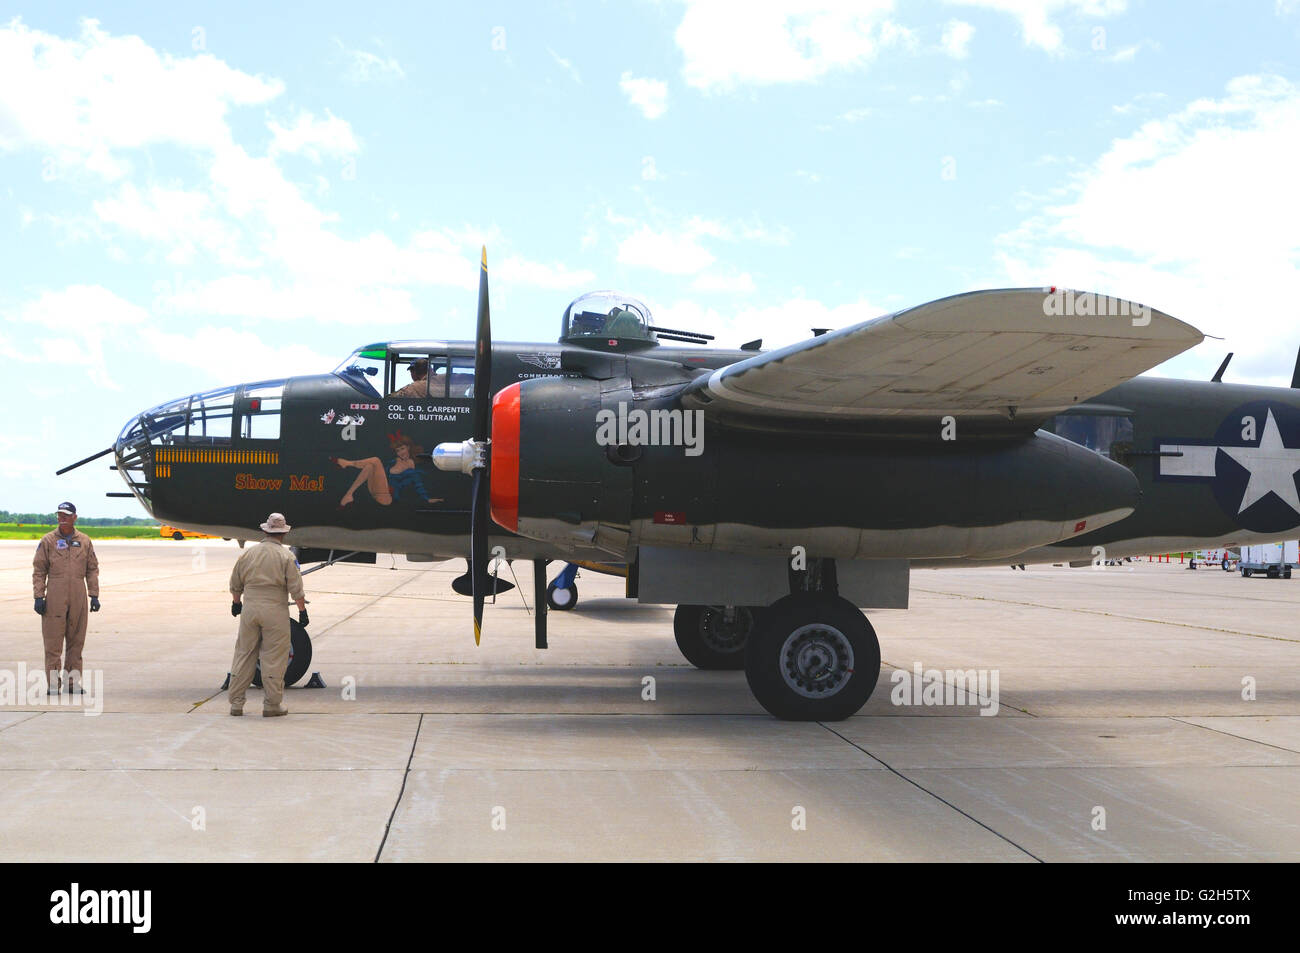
(65,573)
(267,576)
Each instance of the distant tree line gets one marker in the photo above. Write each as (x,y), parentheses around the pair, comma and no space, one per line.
(51,518)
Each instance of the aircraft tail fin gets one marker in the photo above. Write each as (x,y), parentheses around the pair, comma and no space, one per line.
(1295,376)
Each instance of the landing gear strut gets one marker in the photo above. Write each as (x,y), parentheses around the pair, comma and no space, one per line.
(812,655)
(714,637)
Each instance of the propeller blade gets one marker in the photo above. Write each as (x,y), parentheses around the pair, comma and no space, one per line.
(539,599)
(482,358)
(1295,377)
(478,548)
(480,517)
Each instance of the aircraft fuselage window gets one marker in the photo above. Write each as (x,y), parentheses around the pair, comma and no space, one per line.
(1109,435)
(261,419)
(416,376)
(210,417)
(460,381)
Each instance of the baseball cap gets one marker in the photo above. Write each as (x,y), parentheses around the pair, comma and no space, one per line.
(67,508)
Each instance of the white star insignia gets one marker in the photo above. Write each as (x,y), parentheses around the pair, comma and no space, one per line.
(1272,466)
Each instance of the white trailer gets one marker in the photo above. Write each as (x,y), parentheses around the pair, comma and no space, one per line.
(1270,559)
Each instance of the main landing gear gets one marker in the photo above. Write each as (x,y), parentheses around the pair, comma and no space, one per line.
(810,656)
(813,656)
(714,637)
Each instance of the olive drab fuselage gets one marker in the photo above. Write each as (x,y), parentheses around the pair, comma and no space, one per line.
(350,466)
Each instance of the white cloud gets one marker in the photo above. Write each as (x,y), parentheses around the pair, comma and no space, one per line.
(776,324)
(79,100)
(649,171)
(724,283)
(858,114)
(956,39)
(1035,16)
(363,66)
(678,249)
(312,137)
(229,355)
(674,253)
(76,321)
(648,95)
(729,43)
(1144,225)
(519,271)
(179,221)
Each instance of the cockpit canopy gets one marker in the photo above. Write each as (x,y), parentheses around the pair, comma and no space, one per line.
(608,319)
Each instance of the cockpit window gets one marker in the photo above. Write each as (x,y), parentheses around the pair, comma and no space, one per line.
(362,368)
(609,315)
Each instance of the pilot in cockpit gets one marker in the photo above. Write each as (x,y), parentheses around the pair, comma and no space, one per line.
(419,386)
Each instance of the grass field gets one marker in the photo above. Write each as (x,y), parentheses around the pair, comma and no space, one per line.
(35,531)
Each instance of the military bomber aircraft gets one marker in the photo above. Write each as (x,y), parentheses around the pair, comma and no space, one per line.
(769,495)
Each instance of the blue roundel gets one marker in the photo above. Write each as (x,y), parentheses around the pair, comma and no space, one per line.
(1257,465)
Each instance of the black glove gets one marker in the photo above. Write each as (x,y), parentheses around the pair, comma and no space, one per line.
(40,606)
(94,603)
(302,618)
(236,608)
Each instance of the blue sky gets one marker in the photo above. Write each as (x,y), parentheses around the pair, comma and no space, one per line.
(195,195)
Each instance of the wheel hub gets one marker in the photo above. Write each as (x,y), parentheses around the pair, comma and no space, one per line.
(816,660)
(725,629)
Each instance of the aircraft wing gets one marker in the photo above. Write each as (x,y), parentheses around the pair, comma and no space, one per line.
(998,357)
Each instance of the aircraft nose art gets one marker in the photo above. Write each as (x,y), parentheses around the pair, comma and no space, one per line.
(505,457)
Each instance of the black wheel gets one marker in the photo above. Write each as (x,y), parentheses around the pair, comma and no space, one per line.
(299,656)
(1245,573)
(178,535)
(1287,574)
(714,637)
(812,657)
(1273,574)
(562,600)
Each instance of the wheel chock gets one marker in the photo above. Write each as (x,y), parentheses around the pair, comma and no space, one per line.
(315,681)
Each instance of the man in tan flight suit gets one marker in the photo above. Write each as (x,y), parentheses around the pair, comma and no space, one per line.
(418,387)
(265,577)
(64,571)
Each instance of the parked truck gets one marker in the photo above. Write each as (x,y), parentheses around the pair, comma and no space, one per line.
(1270,559)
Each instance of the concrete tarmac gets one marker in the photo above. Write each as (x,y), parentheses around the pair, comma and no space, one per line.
(1144,713)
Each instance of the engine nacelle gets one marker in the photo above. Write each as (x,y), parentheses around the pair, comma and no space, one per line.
(556,477)
(550,478)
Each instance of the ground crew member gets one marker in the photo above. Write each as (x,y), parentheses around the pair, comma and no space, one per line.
(265,577)
(64,570)
(417,388)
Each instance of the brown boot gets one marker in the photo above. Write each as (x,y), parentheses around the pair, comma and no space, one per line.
(274,712)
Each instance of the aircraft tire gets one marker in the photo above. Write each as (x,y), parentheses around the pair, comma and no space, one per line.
(562,603)
(812,657)
(709,642)
(299,656)
(1245,573)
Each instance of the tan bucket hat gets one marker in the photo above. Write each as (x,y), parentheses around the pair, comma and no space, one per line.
(275,524)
